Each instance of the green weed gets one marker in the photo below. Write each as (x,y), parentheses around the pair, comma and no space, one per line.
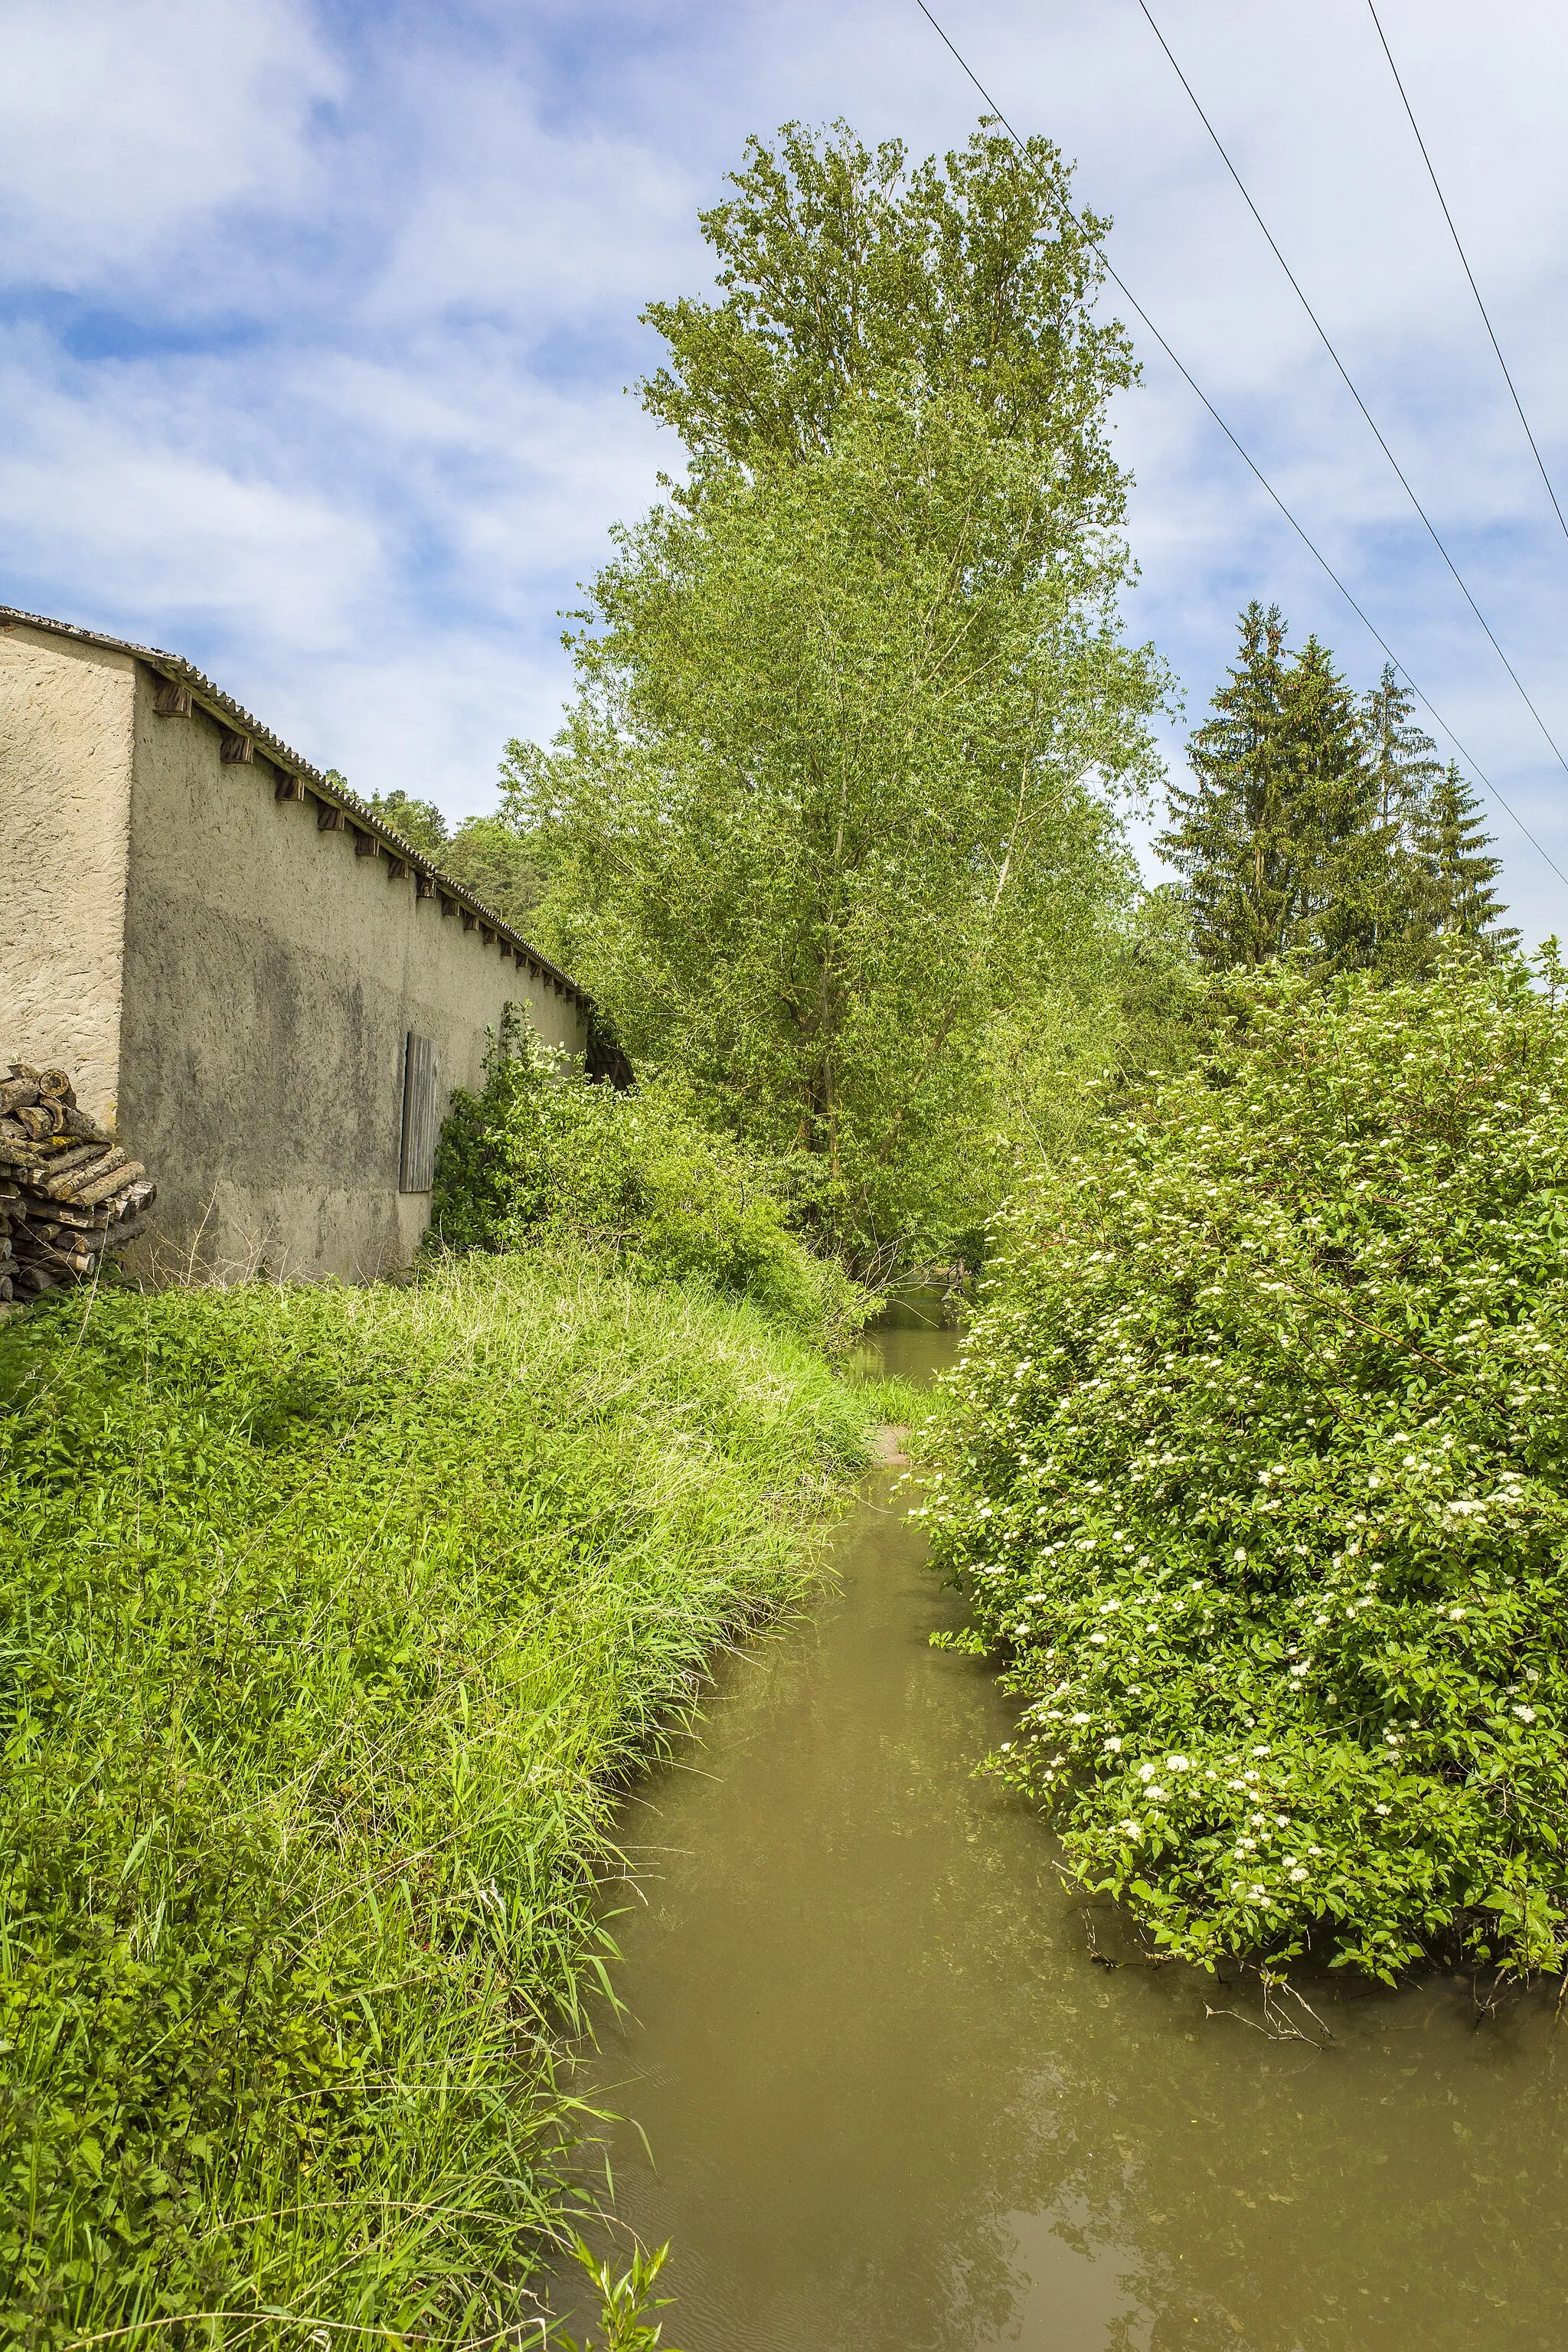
(330,1619)
(540,1157)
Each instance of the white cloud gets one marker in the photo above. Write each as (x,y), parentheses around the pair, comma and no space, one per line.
(320,320)
(123,121)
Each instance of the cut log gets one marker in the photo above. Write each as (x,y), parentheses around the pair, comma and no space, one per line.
(103,1186)
(71,1170)
(77,1122)
(69,1213)
(70,1197)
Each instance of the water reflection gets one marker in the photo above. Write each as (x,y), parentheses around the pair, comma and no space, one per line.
(893,2102)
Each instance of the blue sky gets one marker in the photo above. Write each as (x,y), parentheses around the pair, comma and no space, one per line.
(315,321)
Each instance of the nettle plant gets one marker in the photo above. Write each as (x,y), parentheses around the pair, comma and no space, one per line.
(1253,1469)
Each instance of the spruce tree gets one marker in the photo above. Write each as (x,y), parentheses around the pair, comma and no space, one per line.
(1344,849)
(1281,846)
(1402,755)
(1458,873)
(1403,758)
(1230,839)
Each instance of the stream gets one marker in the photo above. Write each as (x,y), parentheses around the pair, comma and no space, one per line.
(893,2087)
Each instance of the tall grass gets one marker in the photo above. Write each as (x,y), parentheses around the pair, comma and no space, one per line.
(329,1618)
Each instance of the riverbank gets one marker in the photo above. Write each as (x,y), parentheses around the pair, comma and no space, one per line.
(334,1618)
(906,2088)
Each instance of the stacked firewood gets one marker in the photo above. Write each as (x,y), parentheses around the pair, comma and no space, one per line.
(68,1192)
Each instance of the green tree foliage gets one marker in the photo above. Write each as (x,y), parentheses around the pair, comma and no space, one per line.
(1255,1472)
(420,822)
(1129,1012)
(1281,842)
(1401,754)
(970,278)
(1459,901)
(499,865)
(542,1159)
(489,855)
(1163,1011)
(1322,826)
(827,802)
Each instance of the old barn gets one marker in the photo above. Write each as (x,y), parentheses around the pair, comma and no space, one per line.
(265,988)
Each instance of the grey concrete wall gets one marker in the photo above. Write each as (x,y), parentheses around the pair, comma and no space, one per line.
(67,718)
(270,978)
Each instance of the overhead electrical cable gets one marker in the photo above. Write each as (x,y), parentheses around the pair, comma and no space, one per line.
(1355,395)
(1469,273)
(1260,475)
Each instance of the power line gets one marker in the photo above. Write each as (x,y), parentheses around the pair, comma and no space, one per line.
(1469,273)
(1257,471)
(1355,395)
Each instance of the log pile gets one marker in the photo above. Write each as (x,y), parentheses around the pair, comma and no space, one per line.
(68,1192)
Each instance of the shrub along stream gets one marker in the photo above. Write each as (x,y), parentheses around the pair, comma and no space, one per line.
(330,1616)
(1255,1470)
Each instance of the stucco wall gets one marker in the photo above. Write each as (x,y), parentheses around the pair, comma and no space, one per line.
(271,978)
(66,731)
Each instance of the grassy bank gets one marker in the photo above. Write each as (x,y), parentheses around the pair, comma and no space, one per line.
(330,1616)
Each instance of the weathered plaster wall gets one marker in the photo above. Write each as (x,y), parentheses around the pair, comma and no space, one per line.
(271,977)
(67,715)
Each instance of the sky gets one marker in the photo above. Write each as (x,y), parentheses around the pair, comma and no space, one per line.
(317,321)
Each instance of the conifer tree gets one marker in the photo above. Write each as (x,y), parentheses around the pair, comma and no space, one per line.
(1320,825)
(1402,755)
(1345,851)
(1282,843)
(1458,873)
(1406,770)
(1228,839)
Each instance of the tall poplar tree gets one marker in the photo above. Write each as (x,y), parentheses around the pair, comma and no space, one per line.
(831,803)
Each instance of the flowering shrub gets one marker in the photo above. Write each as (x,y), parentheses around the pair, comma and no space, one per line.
(1253,1466)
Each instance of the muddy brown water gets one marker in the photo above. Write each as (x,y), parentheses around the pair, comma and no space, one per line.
(881,2096)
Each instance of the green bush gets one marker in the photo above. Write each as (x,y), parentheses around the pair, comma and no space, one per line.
(542,1157)
(1254,1469)
(331,1617)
